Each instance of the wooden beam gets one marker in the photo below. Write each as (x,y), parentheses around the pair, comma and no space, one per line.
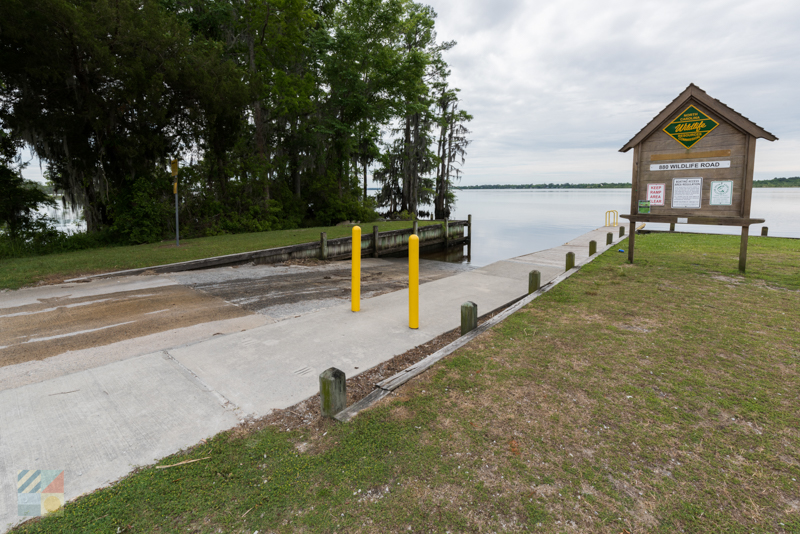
(690,155)
(717,221)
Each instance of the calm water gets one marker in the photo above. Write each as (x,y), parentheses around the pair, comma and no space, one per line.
(512,222)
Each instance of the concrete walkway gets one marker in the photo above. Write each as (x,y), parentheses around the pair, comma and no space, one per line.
(99,423)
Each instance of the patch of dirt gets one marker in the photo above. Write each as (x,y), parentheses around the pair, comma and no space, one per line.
(57,325)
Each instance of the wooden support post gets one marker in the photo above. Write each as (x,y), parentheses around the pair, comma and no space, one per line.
(609,238)
(375,240)
(469,317)
(743,249)
(332,391)
(622,230)
(592,247)
(323,245)
(764,231)
(631,240)
(570,260)
(446,234)
(671,227)
(415,231)
(534,281)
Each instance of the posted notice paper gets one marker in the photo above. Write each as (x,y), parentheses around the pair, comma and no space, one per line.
(687,192)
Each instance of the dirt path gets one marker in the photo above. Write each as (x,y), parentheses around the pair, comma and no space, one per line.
(53,320)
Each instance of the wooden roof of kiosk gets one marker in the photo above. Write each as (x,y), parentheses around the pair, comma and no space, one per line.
(693,163)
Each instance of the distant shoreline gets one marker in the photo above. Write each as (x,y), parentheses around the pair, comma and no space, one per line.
(775,182)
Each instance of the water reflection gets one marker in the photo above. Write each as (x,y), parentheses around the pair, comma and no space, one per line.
(512,222)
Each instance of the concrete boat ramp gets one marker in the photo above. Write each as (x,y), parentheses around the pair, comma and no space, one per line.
(97,378)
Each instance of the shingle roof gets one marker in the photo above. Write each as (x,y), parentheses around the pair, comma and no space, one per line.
(694,92)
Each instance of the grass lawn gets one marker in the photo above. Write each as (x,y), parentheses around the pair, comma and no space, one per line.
(655,397)
(18,272)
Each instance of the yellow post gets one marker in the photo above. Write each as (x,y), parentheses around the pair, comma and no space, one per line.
(413,281)
(355,287)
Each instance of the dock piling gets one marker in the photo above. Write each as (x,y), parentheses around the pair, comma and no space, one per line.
(764,231)
(375,240)
(332,391)
(622,231)
(469,317)
(592,247)
(570,260)
(534,281)
(609,238)
(323,245)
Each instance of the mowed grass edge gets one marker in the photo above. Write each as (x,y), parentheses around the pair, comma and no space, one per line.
(51,268)
(655,397)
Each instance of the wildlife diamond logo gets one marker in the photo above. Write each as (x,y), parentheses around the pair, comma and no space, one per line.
(40,492)
(690,126)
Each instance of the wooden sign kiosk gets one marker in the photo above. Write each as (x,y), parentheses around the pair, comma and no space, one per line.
(693,163)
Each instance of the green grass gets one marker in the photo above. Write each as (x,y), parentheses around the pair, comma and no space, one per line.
(19,272)
(655,397)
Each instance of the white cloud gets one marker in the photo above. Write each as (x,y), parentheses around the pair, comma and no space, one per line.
(556,88)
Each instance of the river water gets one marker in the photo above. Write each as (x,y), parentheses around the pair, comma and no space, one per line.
(512,222)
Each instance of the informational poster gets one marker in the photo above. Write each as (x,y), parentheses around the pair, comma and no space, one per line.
(687,192)
(721,193)
(644,206)
(655,194)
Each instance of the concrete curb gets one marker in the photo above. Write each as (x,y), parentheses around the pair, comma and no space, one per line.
(387,386)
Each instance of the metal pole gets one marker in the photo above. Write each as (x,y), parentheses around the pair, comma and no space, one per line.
(174,169)
(177,232)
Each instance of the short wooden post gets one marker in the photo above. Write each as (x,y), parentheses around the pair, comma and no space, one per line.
(609,238)
(631,241)
(323,246)
(570,260)
(621,231)
(743,248)
(446,234)
(469,317)
(534,281)
(671,227)
(332,391)
(764,231)
(415,230)
(375,239)
(592,247)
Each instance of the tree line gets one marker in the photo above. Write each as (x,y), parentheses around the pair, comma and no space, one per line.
(277,109)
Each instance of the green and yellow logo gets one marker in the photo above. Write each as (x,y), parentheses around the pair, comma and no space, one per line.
(690,126)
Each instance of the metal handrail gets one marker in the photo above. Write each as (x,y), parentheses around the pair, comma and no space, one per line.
(612,216)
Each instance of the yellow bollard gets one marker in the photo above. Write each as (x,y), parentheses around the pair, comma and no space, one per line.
(355,287)
(413,281)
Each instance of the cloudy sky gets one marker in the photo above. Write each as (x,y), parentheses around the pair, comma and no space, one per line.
(557,87)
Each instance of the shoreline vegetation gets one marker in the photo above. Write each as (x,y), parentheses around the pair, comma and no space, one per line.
(654,397)
(774,182)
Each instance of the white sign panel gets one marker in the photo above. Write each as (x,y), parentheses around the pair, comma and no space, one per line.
(687,192)
(721,193)
(689,166)
(655,194)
